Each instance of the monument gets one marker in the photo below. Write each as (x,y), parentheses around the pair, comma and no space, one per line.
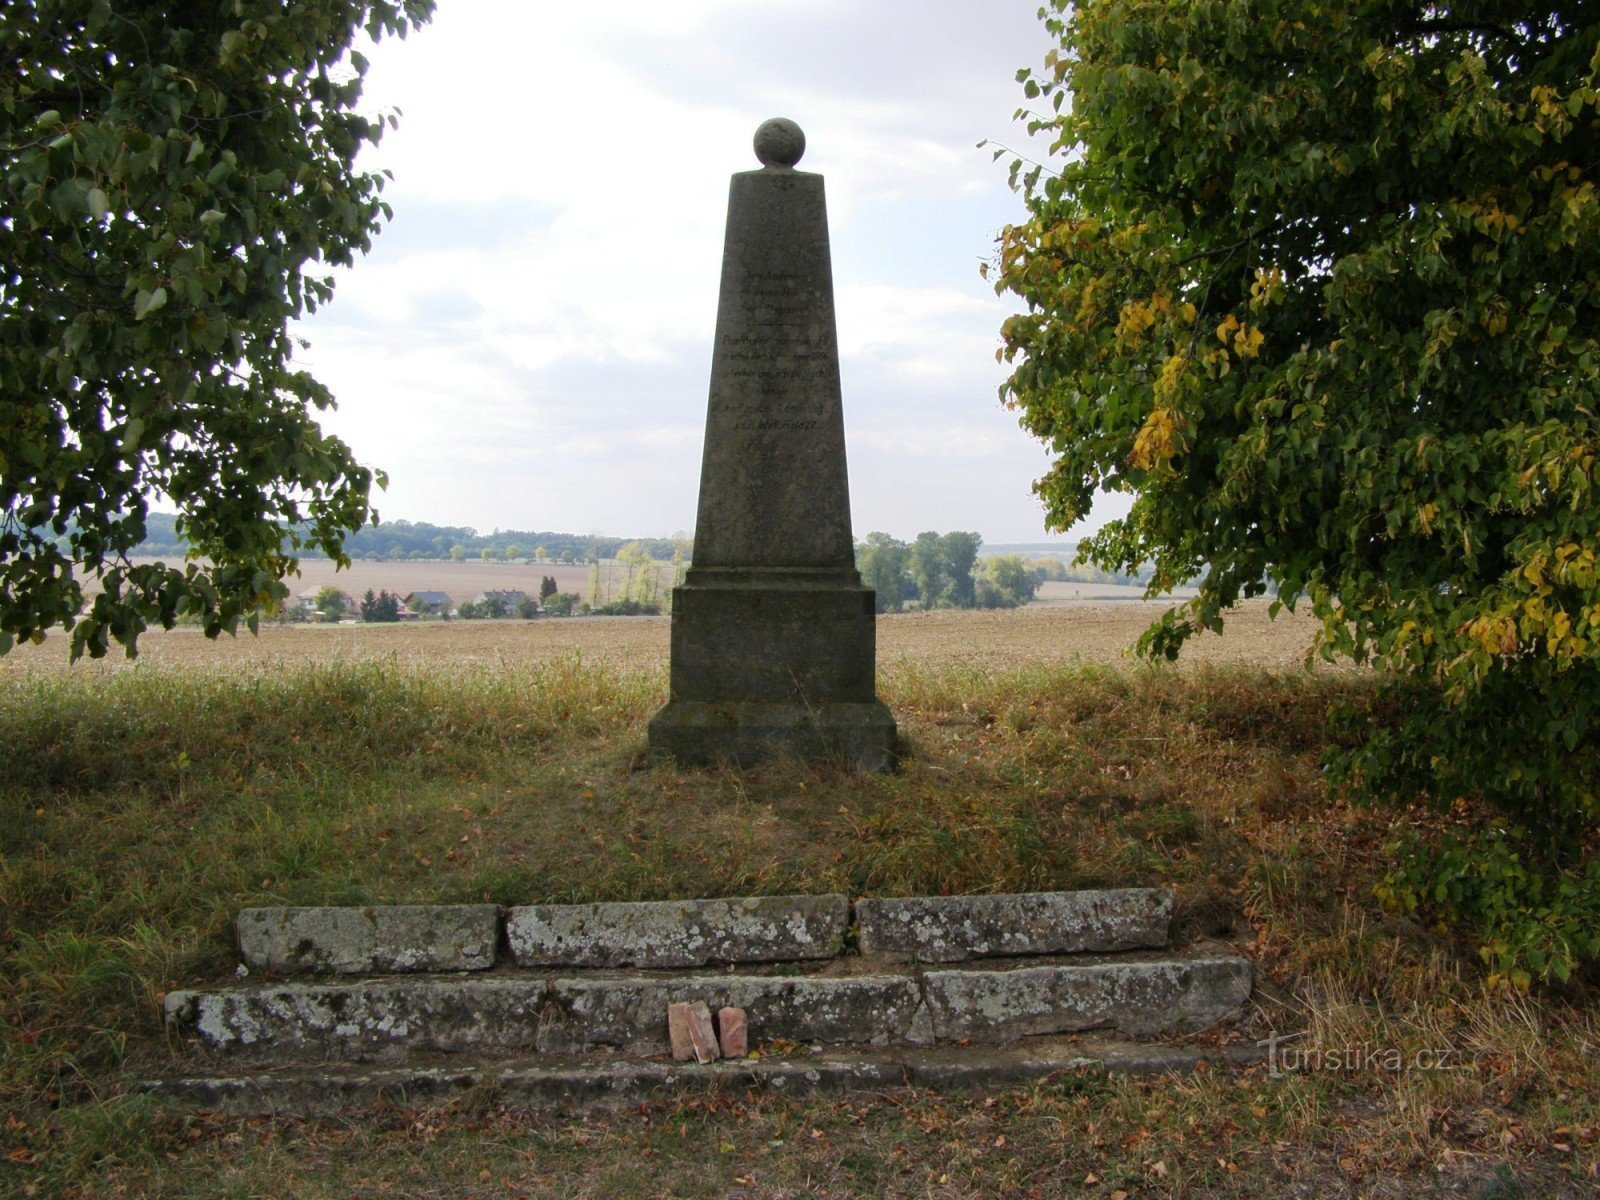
(773,638)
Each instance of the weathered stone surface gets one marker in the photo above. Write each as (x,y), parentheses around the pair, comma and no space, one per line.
(773,641)
(779,142)
(733,1033)
(384,939)
(678,933)
(745,732)
(953,928)
(369,1019)
(1137,997)
(383,1019)
(331,1089)
(626,1013)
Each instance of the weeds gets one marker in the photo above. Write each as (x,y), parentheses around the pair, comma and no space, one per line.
(140,811)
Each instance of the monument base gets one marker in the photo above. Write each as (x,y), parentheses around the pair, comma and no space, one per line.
(772,661)
(744,732)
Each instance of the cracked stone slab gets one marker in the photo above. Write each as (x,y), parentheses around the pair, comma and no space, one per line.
(370,1019)
(385,1019)
(609,1081)
(939,929)
(678,933)
(373,940)
(865,1009)
(1138,999)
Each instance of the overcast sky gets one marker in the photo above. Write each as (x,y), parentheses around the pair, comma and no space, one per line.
(528,346)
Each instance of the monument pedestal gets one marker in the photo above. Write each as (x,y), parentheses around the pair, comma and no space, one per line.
(776,661)
(773,641)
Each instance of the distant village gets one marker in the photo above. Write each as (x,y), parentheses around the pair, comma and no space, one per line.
(331,605)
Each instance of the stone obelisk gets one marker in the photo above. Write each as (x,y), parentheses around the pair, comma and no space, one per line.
(773,641)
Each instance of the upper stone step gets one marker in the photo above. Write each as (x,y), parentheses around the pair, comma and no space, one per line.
(675,934)
(376,940)
(953,928)
(679,933)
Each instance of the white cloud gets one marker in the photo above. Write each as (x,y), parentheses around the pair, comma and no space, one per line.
(529,344)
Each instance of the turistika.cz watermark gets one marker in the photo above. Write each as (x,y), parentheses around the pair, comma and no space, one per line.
(1286,1053)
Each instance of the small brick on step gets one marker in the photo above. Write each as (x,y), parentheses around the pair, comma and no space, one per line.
(734,1032)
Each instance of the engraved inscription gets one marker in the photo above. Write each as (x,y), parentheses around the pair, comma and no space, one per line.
(772,361)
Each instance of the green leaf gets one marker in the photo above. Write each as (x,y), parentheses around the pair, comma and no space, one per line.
(145,303)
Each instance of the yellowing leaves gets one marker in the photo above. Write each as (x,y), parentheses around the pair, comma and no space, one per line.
(1494,634)
(1241,337)
(1138,316)
(1267,288)
(1159,439)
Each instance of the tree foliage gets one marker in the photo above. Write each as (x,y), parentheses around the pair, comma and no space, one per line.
(1317,283)
(936,570)
(175,181)
(381,608)
(1005,581)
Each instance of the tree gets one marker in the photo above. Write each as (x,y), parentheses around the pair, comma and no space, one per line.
(330,602)
(883,562)
(548,587)
(642,580)
(930,568)
(170,173)
(383,607)
(1005,581)
(1318,290)
(562,604)
(961,553)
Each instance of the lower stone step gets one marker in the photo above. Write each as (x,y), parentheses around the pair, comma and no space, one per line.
(390,1018)
(329,1089)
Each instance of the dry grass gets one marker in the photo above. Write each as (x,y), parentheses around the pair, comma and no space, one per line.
(141,807)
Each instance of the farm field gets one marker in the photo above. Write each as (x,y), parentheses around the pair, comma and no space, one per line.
(982,639)
(1056,591)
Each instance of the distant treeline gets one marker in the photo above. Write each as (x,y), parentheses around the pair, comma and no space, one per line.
(395,541)
(935,570)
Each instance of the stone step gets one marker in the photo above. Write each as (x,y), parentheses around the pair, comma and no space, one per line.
(385,1019)
(696,933)
(374,940)
(939,929)
(678,933)
(539,1081)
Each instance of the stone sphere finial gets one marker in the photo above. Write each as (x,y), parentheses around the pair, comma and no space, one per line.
(780,142)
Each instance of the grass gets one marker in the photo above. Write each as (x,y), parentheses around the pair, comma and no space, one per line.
(140,810)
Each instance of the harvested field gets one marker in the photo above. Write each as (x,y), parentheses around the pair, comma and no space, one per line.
(1056,591)
(985,640)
